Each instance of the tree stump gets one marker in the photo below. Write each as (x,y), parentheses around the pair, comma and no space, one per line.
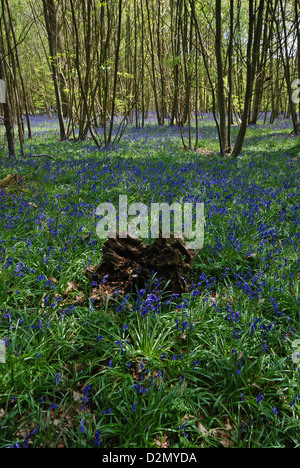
(129,263)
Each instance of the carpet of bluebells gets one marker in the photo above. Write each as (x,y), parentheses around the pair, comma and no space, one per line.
(213,368)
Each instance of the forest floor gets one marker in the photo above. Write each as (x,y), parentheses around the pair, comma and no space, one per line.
(214,367)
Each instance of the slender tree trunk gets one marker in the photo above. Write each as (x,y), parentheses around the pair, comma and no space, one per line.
(287,71)
(254,34)
(297,21)
(117,56)
(220,84)
(196,100)
(175,22)
(15,85)
(8,116)
(155,90)
(160,62)
(51,27)
(19,70)
(206,65)
(230,70)
(143,64)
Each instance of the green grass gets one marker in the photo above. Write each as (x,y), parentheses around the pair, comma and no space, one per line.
(210,369)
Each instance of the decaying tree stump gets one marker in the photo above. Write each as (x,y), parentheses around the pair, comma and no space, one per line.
(129,263)
(10,182)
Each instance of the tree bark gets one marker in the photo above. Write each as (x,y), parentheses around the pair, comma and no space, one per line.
(287,70)
(220,79)
(254,34)
(51,27)
(7,111)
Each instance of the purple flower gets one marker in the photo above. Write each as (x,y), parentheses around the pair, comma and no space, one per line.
(97,439)
(134,406)
(182,428)
(29,436)
(259,398)
(85,391)
(81,427)
(195,363)
(104,279)
(57,378)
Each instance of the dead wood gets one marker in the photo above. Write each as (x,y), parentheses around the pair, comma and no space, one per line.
(128,263)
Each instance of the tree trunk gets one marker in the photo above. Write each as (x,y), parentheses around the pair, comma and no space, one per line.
(116,64)
(297,21)
(51,27)
(230,83)
(254,34)
(220,83)
(8,116)
(287,70)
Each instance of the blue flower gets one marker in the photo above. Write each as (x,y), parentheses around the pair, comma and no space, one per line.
(81,427)
(134,406)
(182,428)
(85,391)
(259,398)
(57,378)
(97,439)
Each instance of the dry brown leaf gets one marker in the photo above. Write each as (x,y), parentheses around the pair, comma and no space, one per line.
(163,443)
(76,396)
(72,286)
(202,429)
(53,280)
(187,417)
(225,438)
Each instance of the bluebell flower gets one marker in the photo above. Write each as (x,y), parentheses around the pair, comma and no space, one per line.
(97,439)
(57,378)
(81,427)
(85,391)
(29,436)
(259,398)
(134,406)
(182,428)
(195,363)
